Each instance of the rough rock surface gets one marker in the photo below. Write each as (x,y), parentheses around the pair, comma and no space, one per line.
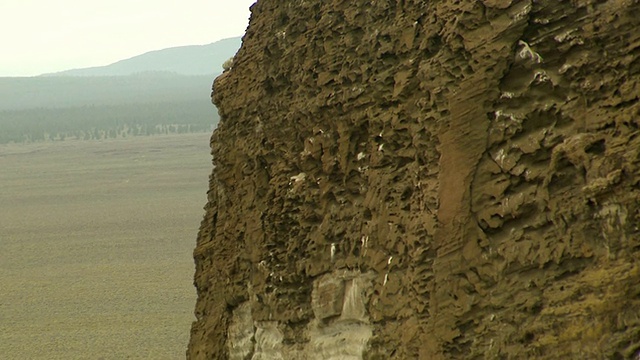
(425,180)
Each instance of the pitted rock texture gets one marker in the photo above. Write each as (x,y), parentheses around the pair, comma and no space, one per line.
(478,160)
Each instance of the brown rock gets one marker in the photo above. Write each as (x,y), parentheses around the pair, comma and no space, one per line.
(480,159)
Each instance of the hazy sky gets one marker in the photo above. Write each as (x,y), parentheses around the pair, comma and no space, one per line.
(40,36)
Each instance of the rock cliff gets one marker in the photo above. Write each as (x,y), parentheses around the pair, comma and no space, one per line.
(425,180)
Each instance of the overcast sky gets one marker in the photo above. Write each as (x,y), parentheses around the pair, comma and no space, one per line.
(41,36)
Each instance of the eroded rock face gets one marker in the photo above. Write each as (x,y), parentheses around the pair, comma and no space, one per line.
(471,168)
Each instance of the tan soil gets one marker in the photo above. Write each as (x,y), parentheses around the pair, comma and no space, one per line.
(95,247)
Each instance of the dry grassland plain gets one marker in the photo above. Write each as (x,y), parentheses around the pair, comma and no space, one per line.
(96,242)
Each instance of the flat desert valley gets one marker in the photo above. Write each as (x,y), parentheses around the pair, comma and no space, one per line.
(96,241)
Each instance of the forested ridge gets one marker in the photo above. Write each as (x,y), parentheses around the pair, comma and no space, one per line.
(87,108)
(106,121)
(77,91)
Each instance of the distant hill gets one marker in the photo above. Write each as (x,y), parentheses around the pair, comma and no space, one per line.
(160,92)
(183,60)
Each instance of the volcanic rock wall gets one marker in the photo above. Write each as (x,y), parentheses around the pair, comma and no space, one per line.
(425,180)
